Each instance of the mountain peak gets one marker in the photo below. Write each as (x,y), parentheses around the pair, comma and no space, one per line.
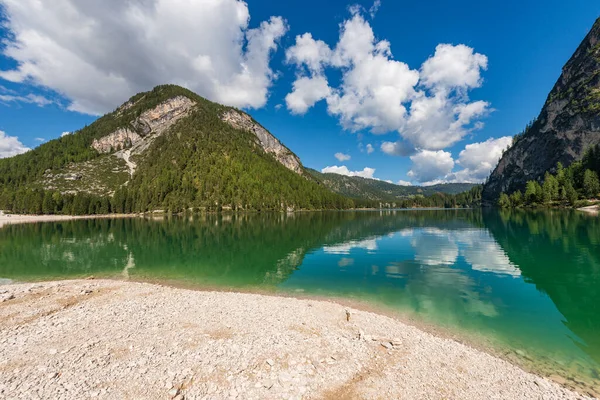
(168,148)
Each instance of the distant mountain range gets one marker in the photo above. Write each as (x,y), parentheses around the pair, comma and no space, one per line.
(356,187)
(568,125)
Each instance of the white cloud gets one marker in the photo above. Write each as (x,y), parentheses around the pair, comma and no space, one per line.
(342,157)
(11,146)
(39,139)
(428,107)
(437,122)
(309,52)
(370,148)
(429,165)
(78,49)
(453,67)
(29,99)
(343,170)
(403,183)
(306,92)
(65,134)
(399,148)
(479,159)
(374,8)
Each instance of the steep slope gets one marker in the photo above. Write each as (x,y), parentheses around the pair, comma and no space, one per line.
(167,148)
(371,189)
(567,126)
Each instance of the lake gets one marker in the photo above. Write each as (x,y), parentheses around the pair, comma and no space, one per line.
(526,284)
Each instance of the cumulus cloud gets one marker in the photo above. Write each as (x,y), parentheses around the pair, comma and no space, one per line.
(343,170)
(437,122)
(309,52)
(11,146)
(39,139)
(342,157)
(370,148)
(479,159)
(65,134)
(99,54)
(403,183)
(430,165)
(306,92)
(429,107)
(453,67)
(399,148)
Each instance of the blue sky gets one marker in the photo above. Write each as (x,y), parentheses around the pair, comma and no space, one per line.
(54,72)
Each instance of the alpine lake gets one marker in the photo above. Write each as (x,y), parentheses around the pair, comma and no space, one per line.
(524,285)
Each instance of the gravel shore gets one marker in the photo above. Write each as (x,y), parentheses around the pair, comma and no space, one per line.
(6,219)
(124,340)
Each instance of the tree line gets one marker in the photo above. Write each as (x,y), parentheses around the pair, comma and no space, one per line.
(127,201)
(565,187)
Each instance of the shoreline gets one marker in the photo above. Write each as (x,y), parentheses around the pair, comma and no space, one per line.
(11,219)
(593,210)
(258,346)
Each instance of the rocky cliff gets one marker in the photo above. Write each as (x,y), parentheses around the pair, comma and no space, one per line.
(567,126)
(268,142)
(154,121)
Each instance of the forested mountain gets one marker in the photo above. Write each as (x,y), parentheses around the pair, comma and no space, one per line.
(567,127)
(357,187)
(167,149)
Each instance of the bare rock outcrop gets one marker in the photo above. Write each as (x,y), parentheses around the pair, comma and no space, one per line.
(163,116)
(268,142)
(119,139)
(148,125)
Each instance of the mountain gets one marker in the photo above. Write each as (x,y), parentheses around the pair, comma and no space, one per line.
(357,187)
(164,149)
(567,126)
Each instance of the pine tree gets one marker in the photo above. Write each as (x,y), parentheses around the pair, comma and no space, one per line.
(531,192)
(571,193)
(48,204)
(591,185)
(504,201)
(516,199)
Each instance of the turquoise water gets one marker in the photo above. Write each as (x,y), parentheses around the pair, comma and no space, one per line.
(524,283)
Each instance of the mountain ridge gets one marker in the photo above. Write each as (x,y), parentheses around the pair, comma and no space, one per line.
(567,126)
(360,188)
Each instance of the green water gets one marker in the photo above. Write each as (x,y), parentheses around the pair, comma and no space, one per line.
(525,283)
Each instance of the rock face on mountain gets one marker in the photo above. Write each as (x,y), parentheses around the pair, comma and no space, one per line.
(157,120)
(268,142)
(121,138)
(567,126)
